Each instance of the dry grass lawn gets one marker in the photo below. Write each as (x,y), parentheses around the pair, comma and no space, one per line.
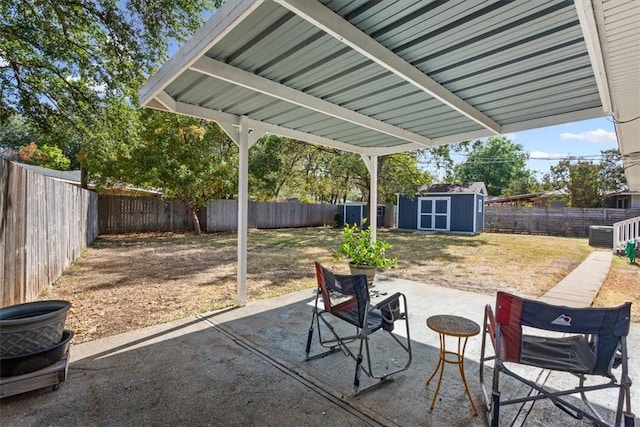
(127,282)
(622,284)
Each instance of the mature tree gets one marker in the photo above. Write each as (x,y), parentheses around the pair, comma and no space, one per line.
(586,189)
(265,166)
(613,170)
(400,173)
(61,60)
(439,159)
(189,159)
(284,167)
(587,183)
(496,162)
(186,158)
(333,176)
(524,185)
(107,149)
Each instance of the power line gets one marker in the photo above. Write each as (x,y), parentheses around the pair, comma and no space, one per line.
(621,122)
(500,160)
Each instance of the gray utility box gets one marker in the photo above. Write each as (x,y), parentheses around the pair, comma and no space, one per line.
(601,236)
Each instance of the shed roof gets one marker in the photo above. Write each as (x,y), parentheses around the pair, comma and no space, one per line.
(467,187)
(383,77)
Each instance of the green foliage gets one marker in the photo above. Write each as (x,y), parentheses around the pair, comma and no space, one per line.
(45,156)
(187,158)
(16,131)
(400,173)
(265,166)
(439,159)
(588,183)
(523,185)
(496,162)
(612,171)
(582,181)
(358,247)
(107,149)
(320,174)
(61,60)
(53,158)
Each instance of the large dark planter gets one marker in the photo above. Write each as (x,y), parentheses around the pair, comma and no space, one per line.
(368,270)
(20,365)
(32,327)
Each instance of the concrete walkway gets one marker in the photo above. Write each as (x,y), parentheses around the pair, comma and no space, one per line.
(582,285)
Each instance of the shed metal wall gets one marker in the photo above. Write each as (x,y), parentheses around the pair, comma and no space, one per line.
(463,212)
(407,213)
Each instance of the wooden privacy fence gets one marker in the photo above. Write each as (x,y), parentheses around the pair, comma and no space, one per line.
(44,226)
(125,214)
(551,221)
(222,215)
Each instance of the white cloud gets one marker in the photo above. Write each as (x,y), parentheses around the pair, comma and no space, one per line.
(543,155)
(599,136)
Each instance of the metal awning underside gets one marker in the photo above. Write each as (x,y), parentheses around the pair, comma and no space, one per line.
(383,77)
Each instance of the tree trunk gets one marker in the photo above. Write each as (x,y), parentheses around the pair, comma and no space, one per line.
(84,177)
(194,218)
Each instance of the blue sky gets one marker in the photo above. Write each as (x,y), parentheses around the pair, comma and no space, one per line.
(578,139)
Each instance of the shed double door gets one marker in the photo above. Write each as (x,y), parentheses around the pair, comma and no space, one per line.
(434,213)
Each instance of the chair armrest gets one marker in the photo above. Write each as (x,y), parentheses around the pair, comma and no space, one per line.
(390,310)
(390,299)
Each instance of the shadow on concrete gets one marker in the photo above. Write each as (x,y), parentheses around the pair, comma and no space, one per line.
(245,367)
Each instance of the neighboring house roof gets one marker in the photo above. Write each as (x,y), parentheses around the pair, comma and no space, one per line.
(624,193)
(73,177)
(69,176)
(553,193)
(467,188)
(530,197)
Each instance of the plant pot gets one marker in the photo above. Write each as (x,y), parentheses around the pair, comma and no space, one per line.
(20,365)
(32,327)
(367,270)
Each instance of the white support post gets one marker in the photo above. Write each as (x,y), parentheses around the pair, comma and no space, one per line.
(243,209)
(372,166)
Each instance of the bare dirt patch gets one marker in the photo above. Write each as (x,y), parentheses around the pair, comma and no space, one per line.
(123,283)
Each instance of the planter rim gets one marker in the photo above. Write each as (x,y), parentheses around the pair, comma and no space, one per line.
(362,265)
(56,307)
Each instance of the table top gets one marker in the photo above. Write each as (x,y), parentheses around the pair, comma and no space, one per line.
(453,325)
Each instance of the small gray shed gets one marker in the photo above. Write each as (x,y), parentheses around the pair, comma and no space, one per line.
(457,208)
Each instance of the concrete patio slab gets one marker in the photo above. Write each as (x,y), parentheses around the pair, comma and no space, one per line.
(245,367)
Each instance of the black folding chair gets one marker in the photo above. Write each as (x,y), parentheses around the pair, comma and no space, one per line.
(346,299)
(592,342)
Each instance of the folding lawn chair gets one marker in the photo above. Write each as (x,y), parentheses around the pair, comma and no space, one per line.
(346,299)
(593,342)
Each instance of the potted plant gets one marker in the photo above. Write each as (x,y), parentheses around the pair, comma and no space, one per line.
(365,256)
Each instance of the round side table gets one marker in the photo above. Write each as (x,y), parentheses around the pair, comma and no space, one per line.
(452,326)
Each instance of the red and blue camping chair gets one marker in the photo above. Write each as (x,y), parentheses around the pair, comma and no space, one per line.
(592,342)
(346,299)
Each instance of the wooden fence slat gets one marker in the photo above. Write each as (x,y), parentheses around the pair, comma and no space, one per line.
(44,228)
(118,214)
(573,222)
